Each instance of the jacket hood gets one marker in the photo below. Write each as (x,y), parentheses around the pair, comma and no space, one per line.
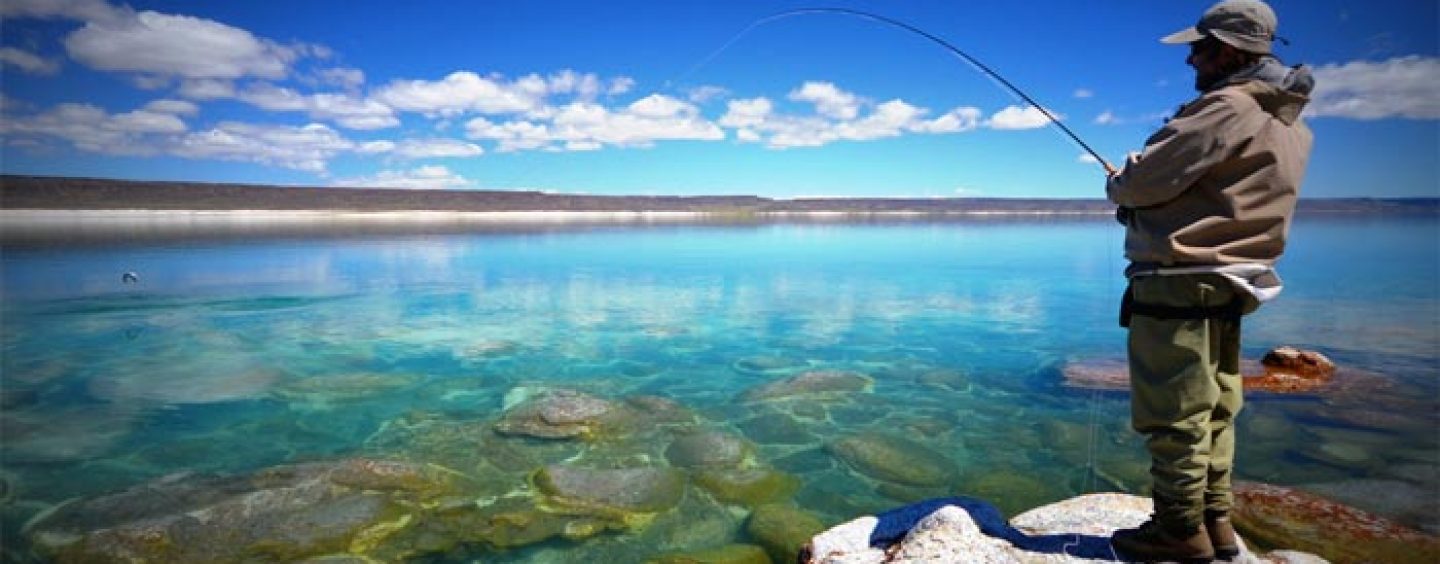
(1280,90)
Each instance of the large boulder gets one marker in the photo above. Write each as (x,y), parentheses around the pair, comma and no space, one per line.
(969,530)
(566,414)
(816,383)
(616,493)
(747,486)
(708,449)
(894,459)
(284,513)
(728,554)
(783,530)
(1281,516)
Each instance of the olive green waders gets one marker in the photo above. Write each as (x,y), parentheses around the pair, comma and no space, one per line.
(1185,387)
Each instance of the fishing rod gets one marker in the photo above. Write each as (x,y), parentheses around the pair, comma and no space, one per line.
(982,67)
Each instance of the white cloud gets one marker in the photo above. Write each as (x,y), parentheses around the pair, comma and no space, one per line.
(374,147)
(512,136)
(747,113)
(620,86)
(207,89)
(343,109)
(28,62)
(173,107)
(89,128)
(829,101)
(1087,158)
(1106,117)
(958,120)
(1403,87)
(424,177)
(83,10)
(458,93)
(585,86)
(586,126)
(1015,117)
(347,78)
(702,94)
(307,148)
(658,106)
(164,44)
(435,148)
(1083,93)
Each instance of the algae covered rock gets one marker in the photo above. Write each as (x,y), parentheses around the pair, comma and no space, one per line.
(817,383)
(747,486)
(611,492)
(1287,517)
(343,387)
(708,449)
(289,512)
(894,459)
(565,414)
(728,554)
(777,429)
(783,530)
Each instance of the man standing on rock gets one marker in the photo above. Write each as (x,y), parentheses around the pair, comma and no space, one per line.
(1206,207)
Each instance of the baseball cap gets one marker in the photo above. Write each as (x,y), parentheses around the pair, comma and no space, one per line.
(1247,25)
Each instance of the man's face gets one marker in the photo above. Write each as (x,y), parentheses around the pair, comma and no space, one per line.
(1211,61)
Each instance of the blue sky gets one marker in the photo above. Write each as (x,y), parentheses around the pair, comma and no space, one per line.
(631,97)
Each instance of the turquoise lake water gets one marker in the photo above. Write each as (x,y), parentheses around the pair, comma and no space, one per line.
(241,353)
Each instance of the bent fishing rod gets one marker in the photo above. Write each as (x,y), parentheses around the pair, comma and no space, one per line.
(962,55)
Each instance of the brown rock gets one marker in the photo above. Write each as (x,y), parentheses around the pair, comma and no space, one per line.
(1281,516)
(1308,364)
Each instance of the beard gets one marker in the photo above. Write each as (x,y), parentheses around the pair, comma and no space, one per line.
(1205,81)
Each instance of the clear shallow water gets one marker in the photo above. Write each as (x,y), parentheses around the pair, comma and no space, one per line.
(211,362)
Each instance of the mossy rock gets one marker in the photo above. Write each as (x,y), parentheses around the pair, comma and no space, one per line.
(611,492)
(749,486)
(567,414)
(783,530)
(708,449)
(286,513)
(814,384)
(728,554)
(777,429)
(894,459)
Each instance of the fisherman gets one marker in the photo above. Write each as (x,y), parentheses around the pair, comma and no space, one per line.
(1206,207)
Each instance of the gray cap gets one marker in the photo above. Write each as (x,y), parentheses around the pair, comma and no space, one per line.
(1247,25)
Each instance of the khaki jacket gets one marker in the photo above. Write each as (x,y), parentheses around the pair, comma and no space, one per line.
(1218,183)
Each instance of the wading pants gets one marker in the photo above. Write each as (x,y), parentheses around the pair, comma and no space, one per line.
(1185,393)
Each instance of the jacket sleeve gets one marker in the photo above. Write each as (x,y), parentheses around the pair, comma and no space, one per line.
(1178,155)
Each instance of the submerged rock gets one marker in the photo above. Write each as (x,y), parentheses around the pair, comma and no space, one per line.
(821,383)
(664,411)
(708,449)
(760,364)
(894,459)
(611,492)
(283,513)
(777,429)
(747,486)
(1281,516)
(565,414)
(344,387)
(728,554)
(783,530)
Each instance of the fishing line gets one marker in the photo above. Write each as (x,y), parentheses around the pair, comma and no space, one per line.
(1090,482)
(953,50)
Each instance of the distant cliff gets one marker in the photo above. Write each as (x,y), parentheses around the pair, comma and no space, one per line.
(33,192)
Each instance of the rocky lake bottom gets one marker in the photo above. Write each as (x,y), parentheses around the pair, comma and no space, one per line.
(627,395)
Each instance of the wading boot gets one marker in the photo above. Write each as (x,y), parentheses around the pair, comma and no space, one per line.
(1222,535)
(1151,542)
